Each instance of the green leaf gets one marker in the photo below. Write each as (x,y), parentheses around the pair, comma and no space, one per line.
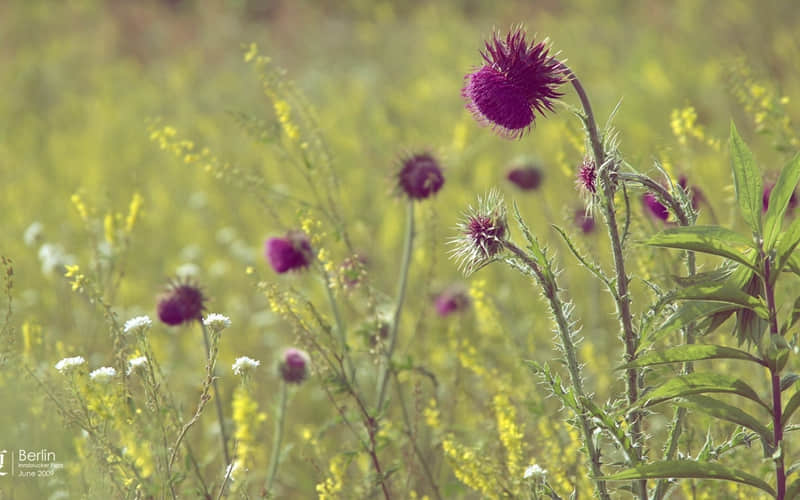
(693,352)
(787,242)
(687,313)
(725,411)
(713,240)
(794,490)
(747,181)
(779,200)
(689,469)
(700,383)
(725,292)
(791,406)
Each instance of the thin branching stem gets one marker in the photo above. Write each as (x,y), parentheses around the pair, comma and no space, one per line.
(217,395)
(276,444)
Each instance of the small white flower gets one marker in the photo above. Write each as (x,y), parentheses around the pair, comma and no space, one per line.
(217,322)
(103,374)
(68,364)
(535,472)
(243,365)
(136,363)
(33,233)
(139,322)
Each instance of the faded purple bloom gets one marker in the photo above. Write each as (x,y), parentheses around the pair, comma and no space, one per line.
(182,302)
(765,199)
(294,365)
(584,221)
(289,253)
(451,300)
(352,270)
(517,81)
(695,193)
(587,177)
(420,176)
(655,207)
(526,178)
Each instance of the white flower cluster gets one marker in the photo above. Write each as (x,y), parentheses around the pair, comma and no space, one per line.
(137,323)
(103,374)
(66,365)
(136,363)
(244,365)
(535,472)
(217,322)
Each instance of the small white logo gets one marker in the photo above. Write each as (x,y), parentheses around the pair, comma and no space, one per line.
(3,462)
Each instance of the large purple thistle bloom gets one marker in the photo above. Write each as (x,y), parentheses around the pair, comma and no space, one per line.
(517,81)
(290,253)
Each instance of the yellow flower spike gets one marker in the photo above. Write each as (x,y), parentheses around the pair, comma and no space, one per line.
(108,228)
(80,206)
(71,270)
(134,208)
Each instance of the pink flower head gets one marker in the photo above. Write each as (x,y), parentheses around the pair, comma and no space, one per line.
(587,177)
(182,302)
(768,191)
(655,207)
(527,178)
(289,253)
(451,300)
(420,176)
(584,221)
(517,81)
(294,365)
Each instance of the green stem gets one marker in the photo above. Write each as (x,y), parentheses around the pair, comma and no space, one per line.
(550,289)
(383,379)
(622,297)
(276,444)
(351,371)
(217,394)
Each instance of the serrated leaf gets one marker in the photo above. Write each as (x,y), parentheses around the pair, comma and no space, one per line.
(687,313)
(693,352)
(726,293)
(680,469)
(701,383)
(710,277)
(779,200)
(712,240)
(747,181)
(725,411)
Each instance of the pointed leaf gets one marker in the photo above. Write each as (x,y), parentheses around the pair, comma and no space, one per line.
(794,490)
(779,200)
(725,411)
(713,240)
(725,292)
(689,469)
(786,244)
(791,406)
(747,181)
(687,313)
(700,383)
(693,352)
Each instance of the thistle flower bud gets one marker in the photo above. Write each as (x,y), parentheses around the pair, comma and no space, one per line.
(420,176)
(294,366)
(584,221)
(181,303)
(290,253)
(527,178)
(587,177)
(452,300)
(482,233)
(654,207)
(768,191)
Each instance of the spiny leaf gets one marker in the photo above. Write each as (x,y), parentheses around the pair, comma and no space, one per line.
(747,181)
(689,469)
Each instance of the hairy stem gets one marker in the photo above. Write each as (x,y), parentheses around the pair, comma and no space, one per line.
(276,443)
(408,245)
(550,289)
(622,297)
(217,395)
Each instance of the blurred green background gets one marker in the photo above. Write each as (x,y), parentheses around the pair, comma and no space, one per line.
(82,82)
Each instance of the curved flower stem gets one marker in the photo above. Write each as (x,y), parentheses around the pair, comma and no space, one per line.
(276,444)
(622,297)
(211,352)
(550,290)
(383,378)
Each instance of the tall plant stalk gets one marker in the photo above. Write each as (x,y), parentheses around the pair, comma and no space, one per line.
(212,356)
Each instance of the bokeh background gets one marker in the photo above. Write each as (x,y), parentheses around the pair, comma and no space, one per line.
(84,84)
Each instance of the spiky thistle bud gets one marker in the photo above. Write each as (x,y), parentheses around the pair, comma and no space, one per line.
(483,232)
(419,176)
(182,302)
(294,365)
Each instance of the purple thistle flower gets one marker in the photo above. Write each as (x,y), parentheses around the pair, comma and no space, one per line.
(526,178)
(765,199)
(695,193)
(290,253)
(517,81)
(182,302)
(451,300)
(294,365)
(584,221)
(420,176)
(655,207)
(587,177)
